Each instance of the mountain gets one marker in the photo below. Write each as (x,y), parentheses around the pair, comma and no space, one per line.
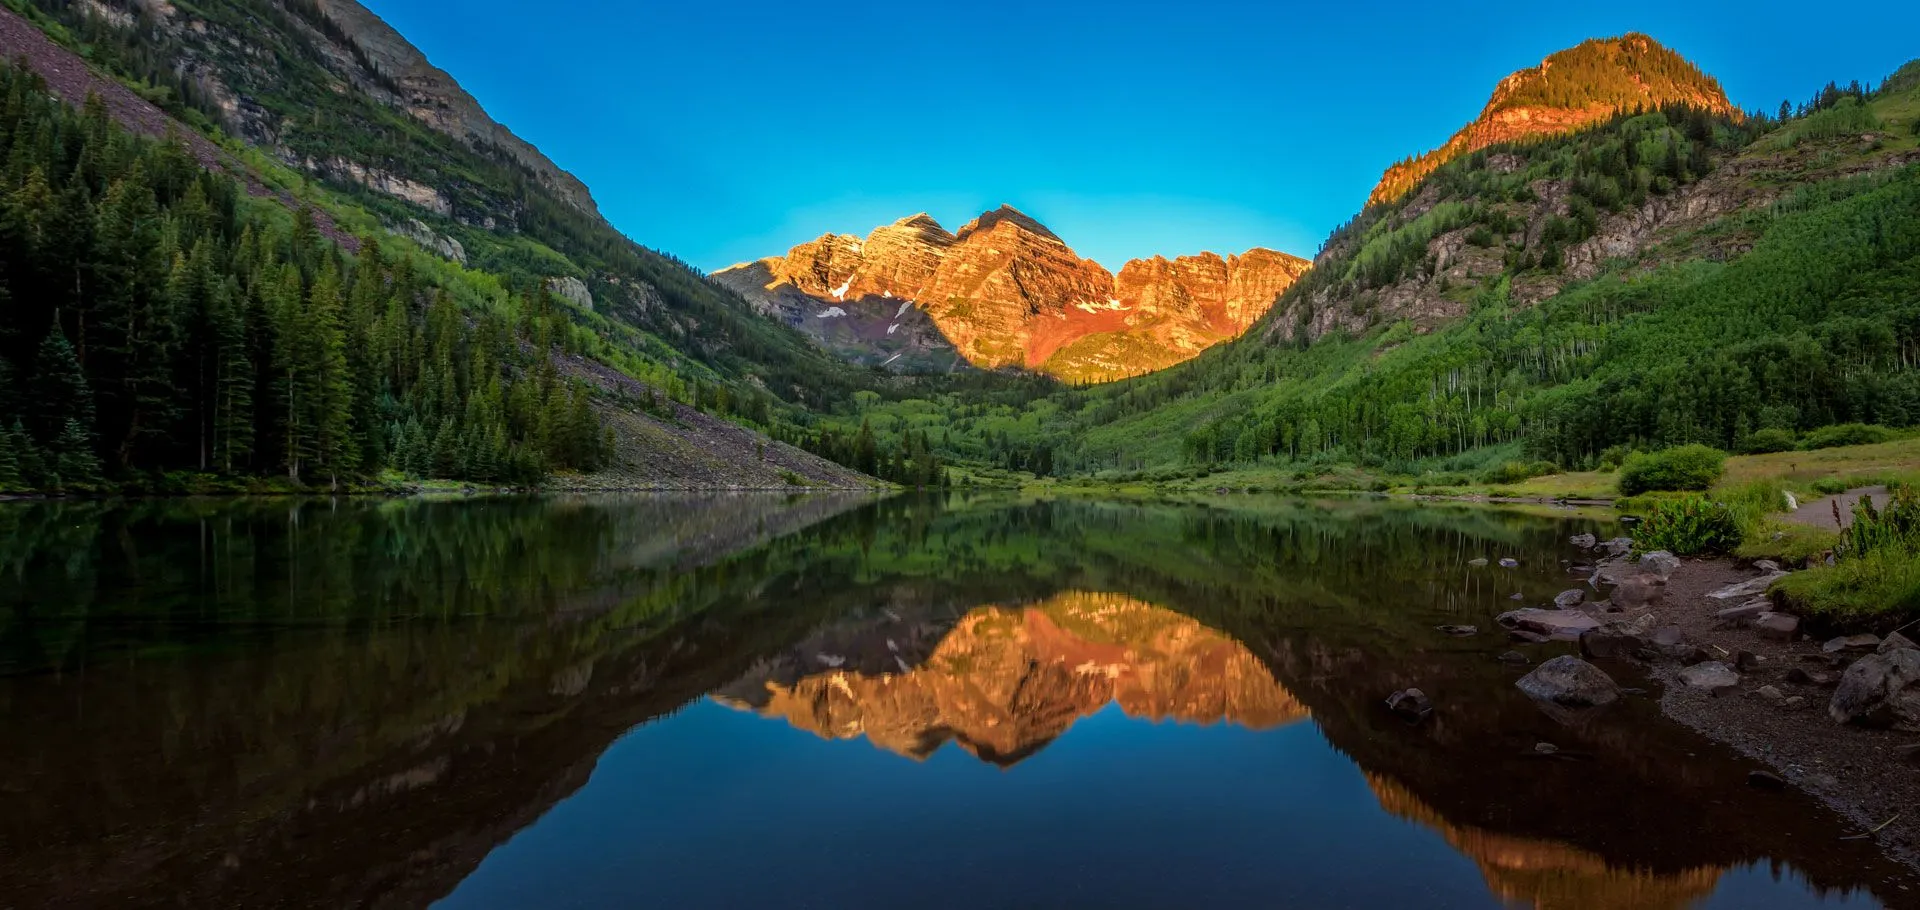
(1003,683)
(1004,291)
(1570,90)
(445,302)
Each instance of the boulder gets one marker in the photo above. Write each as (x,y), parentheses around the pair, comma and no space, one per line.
(1617,638)
(1710,676)
(1553,623)
(1847,643)
(1895,642)
(1412,705)
(1572,683)
(1749,589)
(1777,626)
(1660,564)
(1572,597)
(1619,546)
(1585,541)
(1638,591)
(1879,690)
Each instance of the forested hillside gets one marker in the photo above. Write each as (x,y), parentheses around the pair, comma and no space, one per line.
(407,314)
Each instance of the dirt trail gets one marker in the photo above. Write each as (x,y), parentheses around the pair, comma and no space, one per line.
(1830,512)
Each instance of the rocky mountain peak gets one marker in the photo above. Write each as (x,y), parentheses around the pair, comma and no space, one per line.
(1572,89)
(1008,215)
(1006,291)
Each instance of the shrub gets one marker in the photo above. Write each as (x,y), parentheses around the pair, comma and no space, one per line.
(1614,456)
(1871,588)
(1693,467)
(1762,442)
(1830,486)
(1518,471)
(1689,526)
(1894,529)
(1846,434)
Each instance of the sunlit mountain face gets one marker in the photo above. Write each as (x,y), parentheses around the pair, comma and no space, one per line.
(1002,682)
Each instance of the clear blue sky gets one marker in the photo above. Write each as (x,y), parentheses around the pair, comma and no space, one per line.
(725,131)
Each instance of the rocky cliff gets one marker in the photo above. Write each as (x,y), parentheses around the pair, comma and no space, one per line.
(1571,89)
(1004,682)
(1004,291)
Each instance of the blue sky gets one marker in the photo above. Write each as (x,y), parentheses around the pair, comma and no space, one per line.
(725,131)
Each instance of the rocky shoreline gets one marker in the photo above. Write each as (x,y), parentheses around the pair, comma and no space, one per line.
(1837,718)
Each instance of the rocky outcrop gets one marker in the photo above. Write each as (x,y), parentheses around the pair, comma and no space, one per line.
(1572,89)
(1005,291)
(1004,682)
(573,290)
(429,239)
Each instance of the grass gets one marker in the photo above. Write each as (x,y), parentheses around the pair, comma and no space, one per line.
(1870,465)
(1877,589)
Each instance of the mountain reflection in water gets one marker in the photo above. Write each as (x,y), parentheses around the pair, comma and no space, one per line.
(1003,682)
(614,701)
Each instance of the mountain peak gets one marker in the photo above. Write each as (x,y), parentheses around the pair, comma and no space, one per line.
(1571,89)
(1006,214)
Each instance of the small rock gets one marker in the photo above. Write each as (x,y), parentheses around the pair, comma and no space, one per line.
(1509,563)
(1745,613)
(1619,546)
(1584,541)
(1766,780)
(1412,705)
(1518,597)
(1477,563)
(1802,677)
(1513,657)
(1571,682)
(1794,703)
(1851,643)
(1549,622)
(1526,637)
(1770,695)
(1615,639)
(1748,589)
(1572,597)
(1461,631)
(1710,676)
(1697,655)
(1895,642)
(1744,660)
(1776,626)
(1545,748)
(1766,565)
(1668,637)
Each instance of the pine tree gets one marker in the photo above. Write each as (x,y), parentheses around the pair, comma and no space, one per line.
(74,461)
(58,391)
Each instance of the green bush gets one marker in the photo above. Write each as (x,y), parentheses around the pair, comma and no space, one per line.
(1689,526)
(1518,471)
(1763,442)
(1830,486)
(1614,456)
(1846,434)
(1693,467)
(1895,528)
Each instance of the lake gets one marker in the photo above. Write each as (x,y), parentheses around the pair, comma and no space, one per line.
(818,701)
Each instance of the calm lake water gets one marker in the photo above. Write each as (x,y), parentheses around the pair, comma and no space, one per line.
(757,701)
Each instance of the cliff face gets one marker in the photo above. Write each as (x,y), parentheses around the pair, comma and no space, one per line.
(1574,88)
(1005,682)
(1007,292)
(434,98)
